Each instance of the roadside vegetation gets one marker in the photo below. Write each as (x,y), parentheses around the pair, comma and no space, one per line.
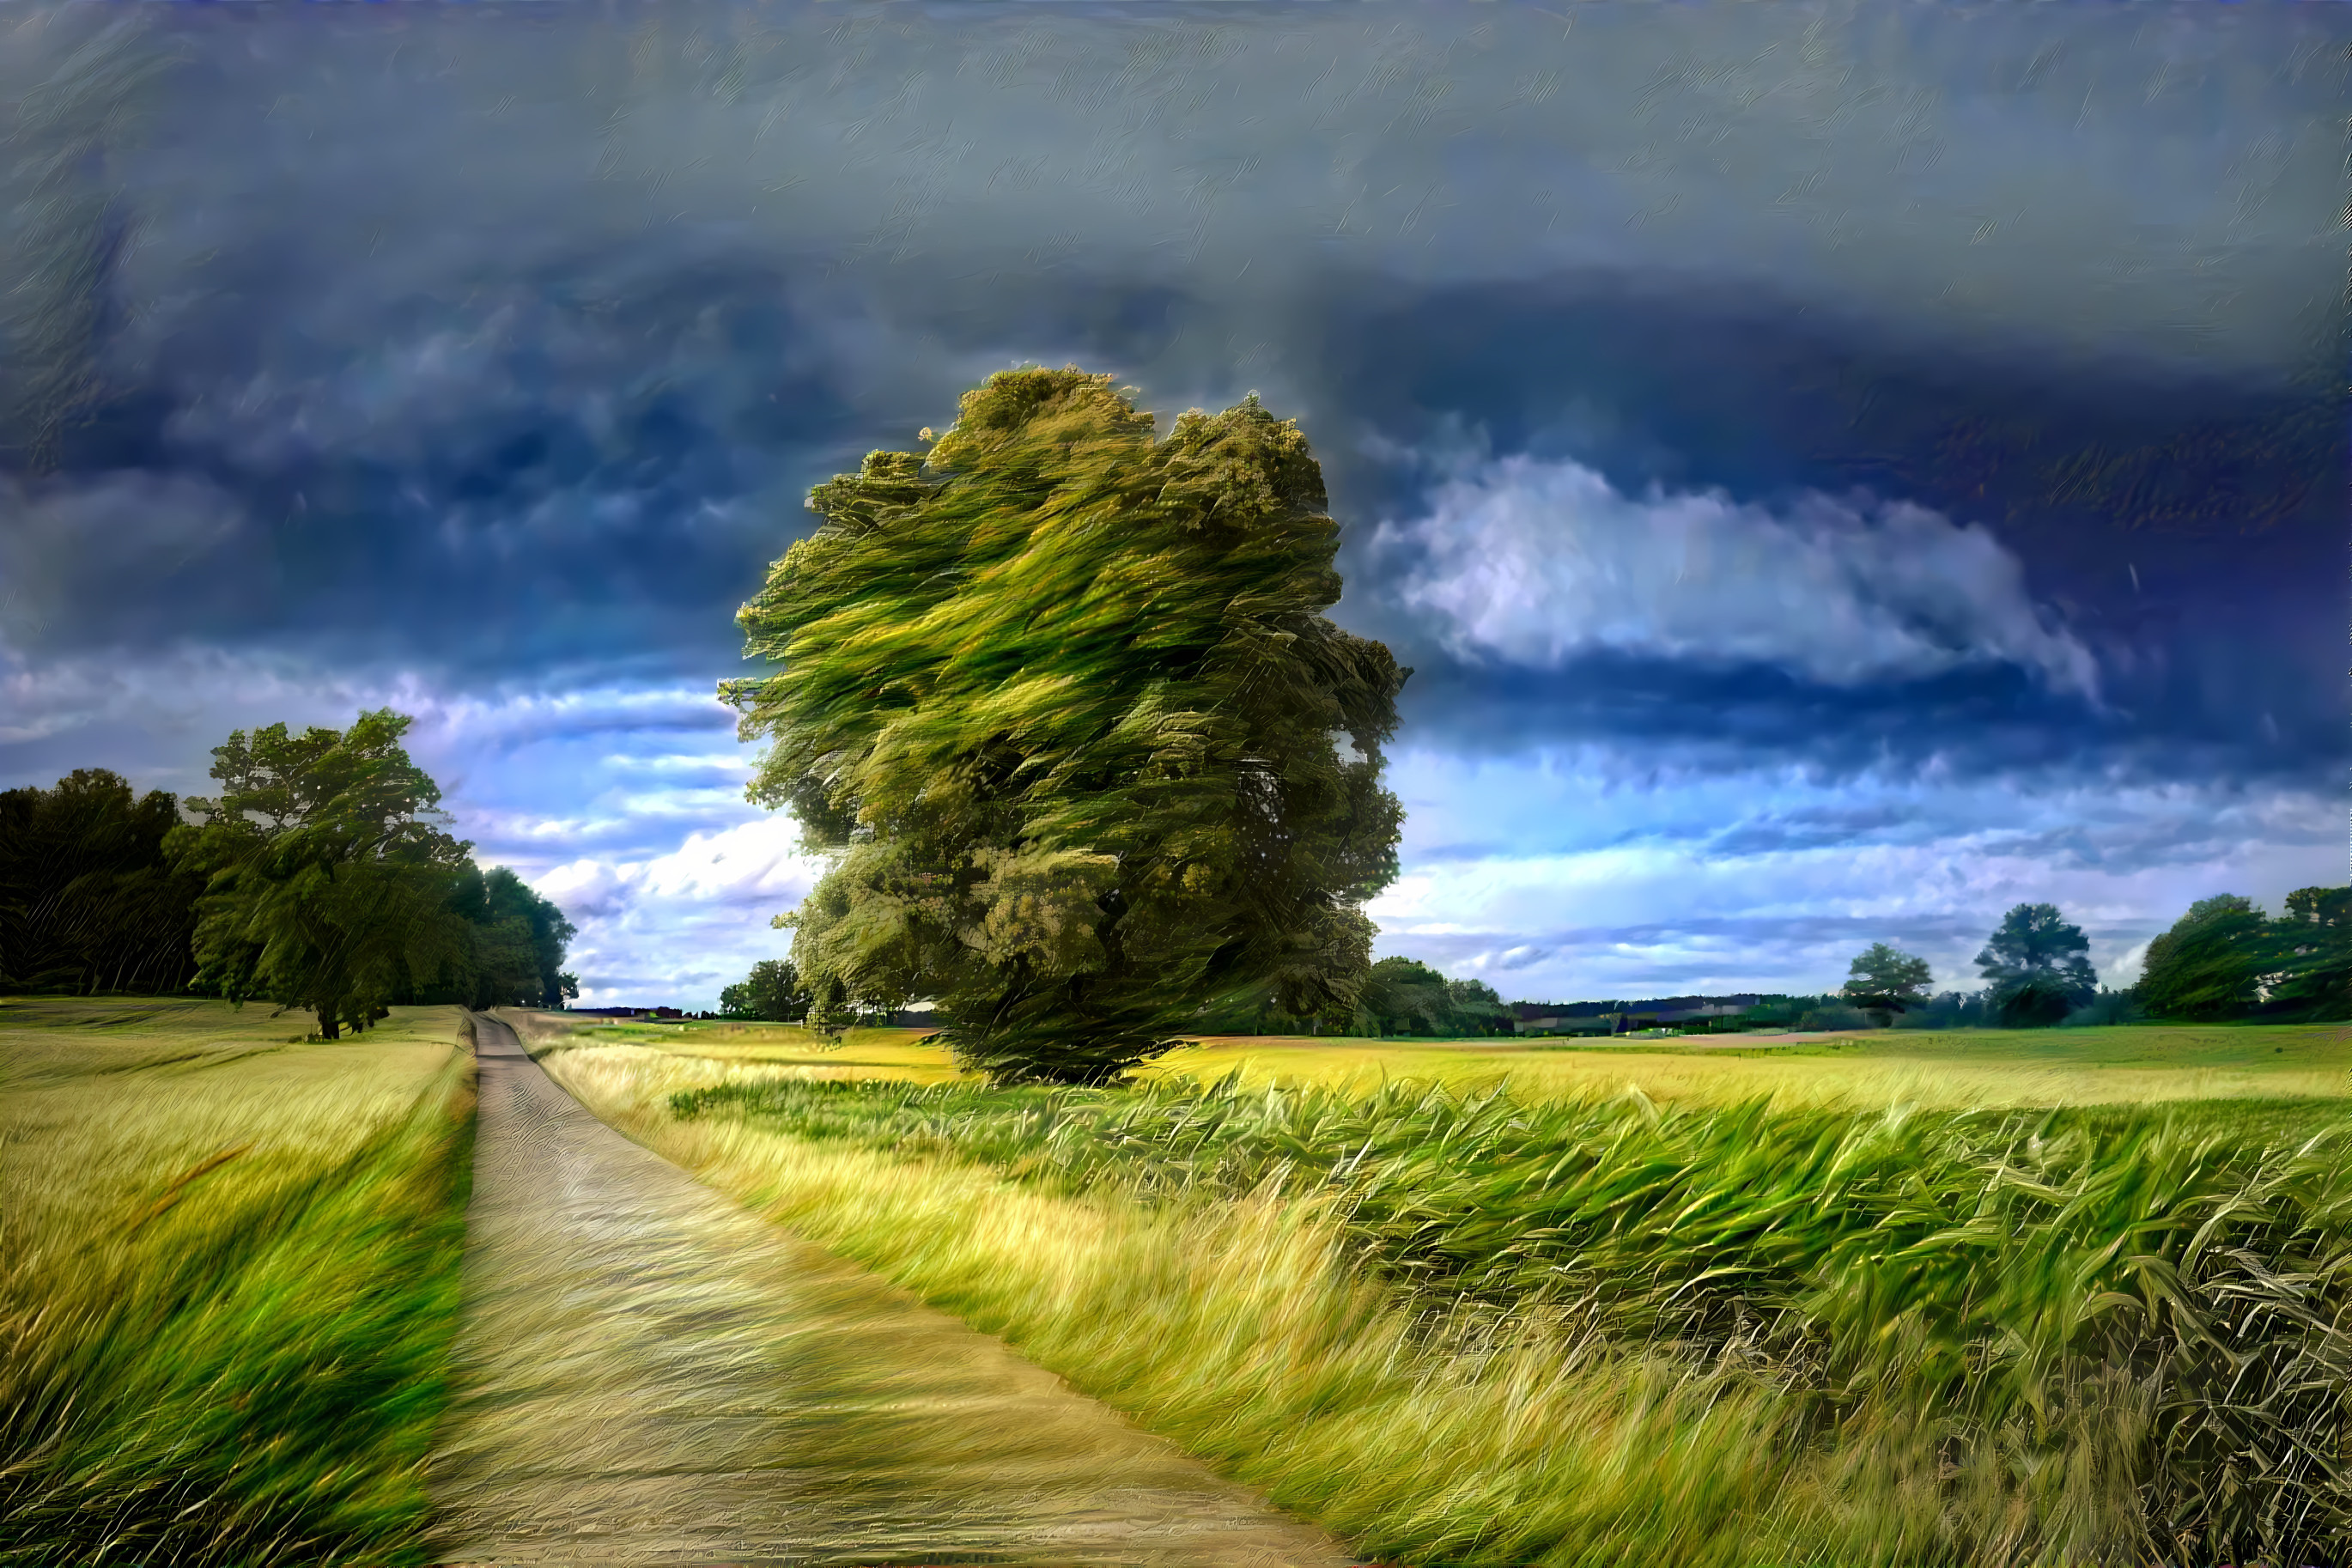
(228,1281)
(1500,1327)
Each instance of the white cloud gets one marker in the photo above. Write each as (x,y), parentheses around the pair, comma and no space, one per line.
(676,927)
(1532,563)
(2123,972)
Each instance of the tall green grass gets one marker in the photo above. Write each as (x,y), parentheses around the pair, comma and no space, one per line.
(241,1363)
(2099,1335)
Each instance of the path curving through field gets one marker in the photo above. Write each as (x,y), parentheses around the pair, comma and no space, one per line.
(652,1375)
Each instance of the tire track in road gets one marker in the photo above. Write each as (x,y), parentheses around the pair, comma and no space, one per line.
(649,1373)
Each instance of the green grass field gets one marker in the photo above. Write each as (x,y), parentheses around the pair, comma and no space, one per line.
(228,1281)
(2136,1064)
(1983,1298)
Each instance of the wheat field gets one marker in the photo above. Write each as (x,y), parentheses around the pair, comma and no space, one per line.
(1489,1328)
(228,1279)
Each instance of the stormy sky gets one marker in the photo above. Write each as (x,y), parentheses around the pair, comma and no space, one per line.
(1836,471)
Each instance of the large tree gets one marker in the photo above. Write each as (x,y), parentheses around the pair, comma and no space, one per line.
(2207,966)
(2224,960)
(1882,981)
(2036,967)
(1061,703)
(327,876)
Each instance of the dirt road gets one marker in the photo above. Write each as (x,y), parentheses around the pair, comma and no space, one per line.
(651,1374)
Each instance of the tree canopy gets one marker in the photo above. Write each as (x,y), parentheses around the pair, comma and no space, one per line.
(2036,967)
(518,941)
(330,883)
(1883,980)
(89,901)
(2224,958)
(2311,954)
(771,994)
(1061,703)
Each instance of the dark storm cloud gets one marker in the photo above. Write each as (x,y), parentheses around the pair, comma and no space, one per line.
(501,344)
(2181,529)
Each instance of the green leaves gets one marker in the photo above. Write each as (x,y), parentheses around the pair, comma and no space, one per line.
(2311,945)
(1062,703)
(1884,980)
(330,883)
(772,994)
(2224,960)
(2038,967)
(89,901)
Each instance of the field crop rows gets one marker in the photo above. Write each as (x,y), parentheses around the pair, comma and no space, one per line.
(228,1279)
(2069,1299)
(2112,1332)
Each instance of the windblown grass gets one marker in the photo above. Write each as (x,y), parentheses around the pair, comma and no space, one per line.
(1956,1070)
(1240,1331)
(1959,1069)
(1482,1330)
(227,1281)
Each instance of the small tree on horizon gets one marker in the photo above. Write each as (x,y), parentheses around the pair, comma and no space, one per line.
(1884,982)
(2036,968)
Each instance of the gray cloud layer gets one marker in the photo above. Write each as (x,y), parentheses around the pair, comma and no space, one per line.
(486,352)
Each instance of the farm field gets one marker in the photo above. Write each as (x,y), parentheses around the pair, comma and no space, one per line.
(1500,1312)
(228,1279)
(1958,1070)
(1962,1068)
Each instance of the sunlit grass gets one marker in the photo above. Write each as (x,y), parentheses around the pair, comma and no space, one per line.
(859,1054)
(227,1280)
(1242,1332)
(1962,1068)
(1552,1328)
(1955,1069)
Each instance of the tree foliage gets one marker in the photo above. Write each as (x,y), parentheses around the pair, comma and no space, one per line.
(88,902)
(2207,966)
(772,994)
(1061,704)
(2036,967)
(1884,980)
(330,884)
(517,942)
(2224,958)
(2311,954)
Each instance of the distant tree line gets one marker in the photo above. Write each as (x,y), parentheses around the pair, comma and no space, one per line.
(89,901)
(2225,960)
(319,877)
